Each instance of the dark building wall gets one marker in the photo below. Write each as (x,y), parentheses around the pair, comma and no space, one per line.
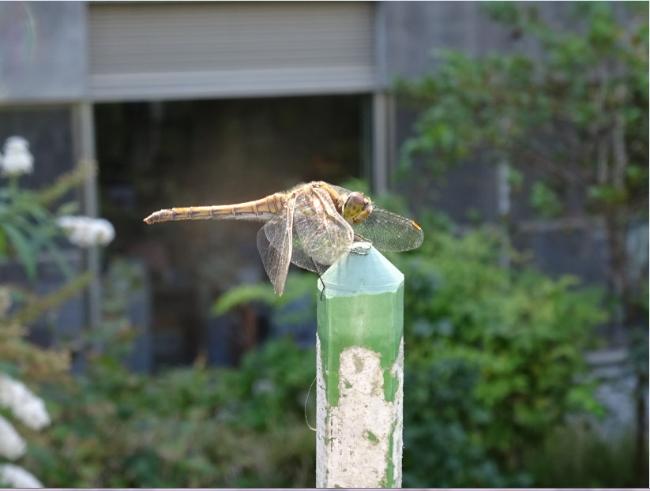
(413,32)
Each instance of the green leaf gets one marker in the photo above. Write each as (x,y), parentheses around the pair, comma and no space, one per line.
(515,178)
(244,294)
(545,200)
(23,248)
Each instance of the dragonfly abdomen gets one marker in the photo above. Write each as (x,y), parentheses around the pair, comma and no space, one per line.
(258,210)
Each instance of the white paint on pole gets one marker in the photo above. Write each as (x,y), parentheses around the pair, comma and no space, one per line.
(358,439)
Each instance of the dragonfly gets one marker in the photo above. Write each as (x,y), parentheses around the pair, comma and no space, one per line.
(311,225)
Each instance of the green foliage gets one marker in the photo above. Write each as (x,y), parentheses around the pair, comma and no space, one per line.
(193,427)
(576,113)
(295,306)
(567,109)
(244,294)
(545,200)
(27,227)
(494,359)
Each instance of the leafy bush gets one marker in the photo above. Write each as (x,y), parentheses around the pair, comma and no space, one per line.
(494,359)
(194,427)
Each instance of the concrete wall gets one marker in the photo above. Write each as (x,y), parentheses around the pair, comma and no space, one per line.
(413,32)
(43,51)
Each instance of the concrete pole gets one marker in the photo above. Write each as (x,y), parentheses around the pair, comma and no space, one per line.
(360,368)
(84,135)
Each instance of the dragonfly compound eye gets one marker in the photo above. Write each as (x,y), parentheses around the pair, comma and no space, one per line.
(357,208)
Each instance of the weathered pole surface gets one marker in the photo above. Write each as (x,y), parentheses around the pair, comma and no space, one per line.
(360,367)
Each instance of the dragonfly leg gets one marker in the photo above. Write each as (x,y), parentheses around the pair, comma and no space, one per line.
(322,290)
(316,269)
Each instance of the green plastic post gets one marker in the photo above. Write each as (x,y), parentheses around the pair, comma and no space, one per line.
(360,359)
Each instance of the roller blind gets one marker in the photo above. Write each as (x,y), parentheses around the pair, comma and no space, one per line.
(181,50)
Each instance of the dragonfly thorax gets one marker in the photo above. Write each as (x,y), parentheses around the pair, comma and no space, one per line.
(357,207)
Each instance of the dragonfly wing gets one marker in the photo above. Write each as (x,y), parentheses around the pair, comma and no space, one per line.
(322,232)
(301,258)
(275,246)
(390,232)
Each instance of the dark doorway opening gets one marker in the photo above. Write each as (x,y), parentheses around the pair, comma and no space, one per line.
(162,154)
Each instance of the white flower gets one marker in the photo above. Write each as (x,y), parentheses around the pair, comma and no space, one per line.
(12,446)
(17,477)
(17,158)
(23,403)
(86,231)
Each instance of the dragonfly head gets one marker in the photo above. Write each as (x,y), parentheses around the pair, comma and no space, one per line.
(357,207)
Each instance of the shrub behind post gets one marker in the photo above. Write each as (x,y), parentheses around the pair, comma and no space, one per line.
(360,359)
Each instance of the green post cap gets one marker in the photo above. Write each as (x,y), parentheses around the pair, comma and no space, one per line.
(363,271)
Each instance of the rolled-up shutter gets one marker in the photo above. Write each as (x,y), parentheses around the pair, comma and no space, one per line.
(179,50)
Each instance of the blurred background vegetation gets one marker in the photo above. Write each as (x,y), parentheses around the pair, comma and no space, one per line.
(498,388)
